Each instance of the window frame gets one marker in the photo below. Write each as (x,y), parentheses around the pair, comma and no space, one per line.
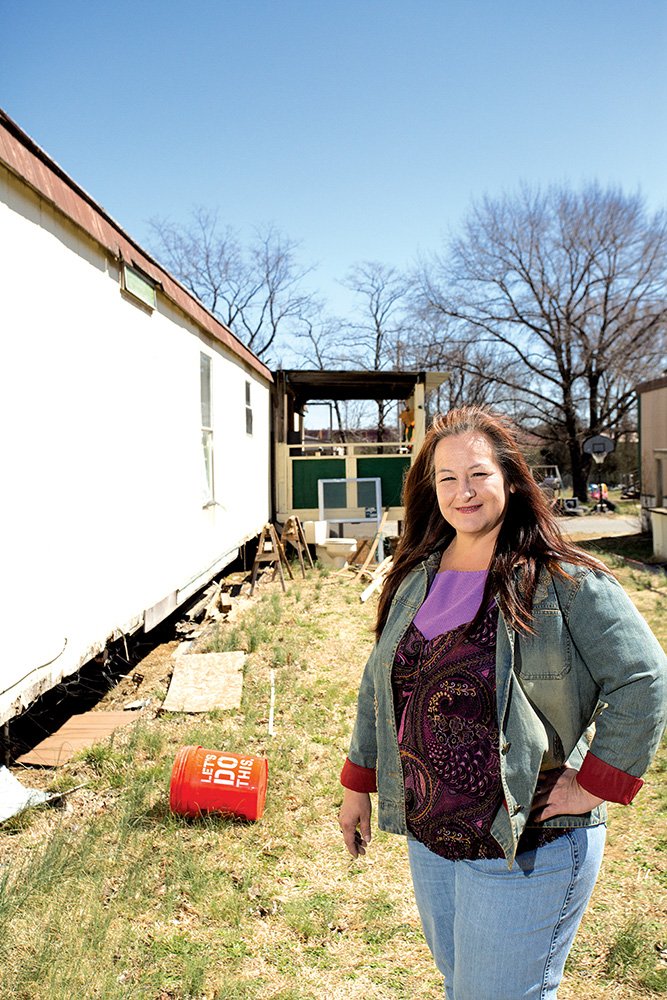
(206,410)
(248,409)
(140,286)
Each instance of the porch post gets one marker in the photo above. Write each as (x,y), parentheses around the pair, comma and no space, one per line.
(420,418)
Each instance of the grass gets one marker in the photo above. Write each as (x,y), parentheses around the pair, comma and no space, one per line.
(632,956)
(637,546)
(256,630)
(113,897)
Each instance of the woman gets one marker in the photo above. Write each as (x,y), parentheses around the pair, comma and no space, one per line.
(498,645)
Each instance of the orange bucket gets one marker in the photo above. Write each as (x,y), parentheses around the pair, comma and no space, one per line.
(204,781)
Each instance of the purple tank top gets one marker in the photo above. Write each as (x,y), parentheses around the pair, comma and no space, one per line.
(453,600)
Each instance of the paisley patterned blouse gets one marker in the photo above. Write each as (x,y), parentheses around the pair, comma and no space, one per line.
(445,704)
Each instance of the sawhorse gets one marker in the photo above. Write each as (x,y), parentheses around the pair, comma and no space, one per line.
(293,532)
(270,550)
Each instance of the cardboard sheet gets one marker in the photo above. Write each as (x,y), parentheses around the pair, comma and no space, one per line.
(204,681)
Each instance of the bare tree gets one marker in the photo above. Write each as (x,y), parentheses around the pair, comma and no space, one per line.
(319,335)
(569,290)
(319,339)
(433,343)
(372,341)
(256,290)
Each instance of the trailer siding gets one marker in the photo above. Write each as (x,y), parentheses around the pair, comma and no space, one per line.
(105,513)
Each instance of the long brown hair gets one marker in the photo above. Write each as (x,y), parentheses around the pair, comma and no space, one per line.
(529,536)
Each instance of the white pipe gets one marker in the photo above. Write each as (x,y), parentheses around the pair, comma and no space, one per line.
(273,702)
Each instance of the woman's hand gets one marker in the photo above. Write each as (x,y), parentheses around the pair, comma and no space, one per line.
(560,794)
(354,819)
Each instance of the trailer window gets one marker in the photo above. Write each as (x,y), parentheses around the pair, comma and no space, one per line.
(138,285)
(248,409)
(206,425)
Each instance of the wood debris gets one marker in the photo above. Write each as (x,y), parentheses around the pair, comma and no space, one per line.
(215,604)
(360,554)
(364,554)
(377,579)
(133,706)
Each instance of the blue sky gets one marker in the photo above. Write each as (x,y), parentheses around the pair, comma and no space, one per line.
(362,129)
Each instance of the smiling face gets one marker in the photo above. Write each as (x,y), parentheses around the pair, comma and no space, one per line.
(470,485)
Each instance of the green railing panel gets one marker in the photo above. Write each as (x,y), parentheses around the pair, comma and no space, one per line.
(391,469)
(306,472)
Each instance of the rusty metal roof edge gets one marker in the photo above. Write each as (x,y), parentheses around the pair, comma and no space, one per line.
(170,286)
(651,384)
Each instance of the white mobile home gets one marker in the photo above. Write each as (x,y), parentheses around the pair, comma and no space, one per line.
(135,431)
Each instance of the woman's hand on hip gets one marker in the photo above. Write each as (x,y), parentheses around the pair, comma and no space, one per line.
(354,820)
(560,794)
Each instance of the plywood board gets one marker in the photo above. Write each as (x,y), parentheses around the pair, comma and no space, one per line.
(76,734)
(204,681)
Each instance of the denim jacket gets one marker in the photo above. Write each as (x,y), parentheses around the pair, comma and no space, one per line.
(593,659)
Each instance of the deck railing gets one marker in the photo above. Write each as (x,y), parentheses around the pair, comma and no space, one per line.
(346,449)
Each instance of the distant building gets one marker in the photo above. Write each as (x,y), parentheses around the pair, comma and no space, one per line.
(653,449)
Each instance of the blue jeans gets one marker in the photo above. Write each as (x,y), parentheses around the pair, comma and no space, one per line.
(504,934)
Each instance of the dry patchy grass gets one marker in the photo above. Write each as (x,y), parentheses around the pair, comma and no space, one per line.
(113,897)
